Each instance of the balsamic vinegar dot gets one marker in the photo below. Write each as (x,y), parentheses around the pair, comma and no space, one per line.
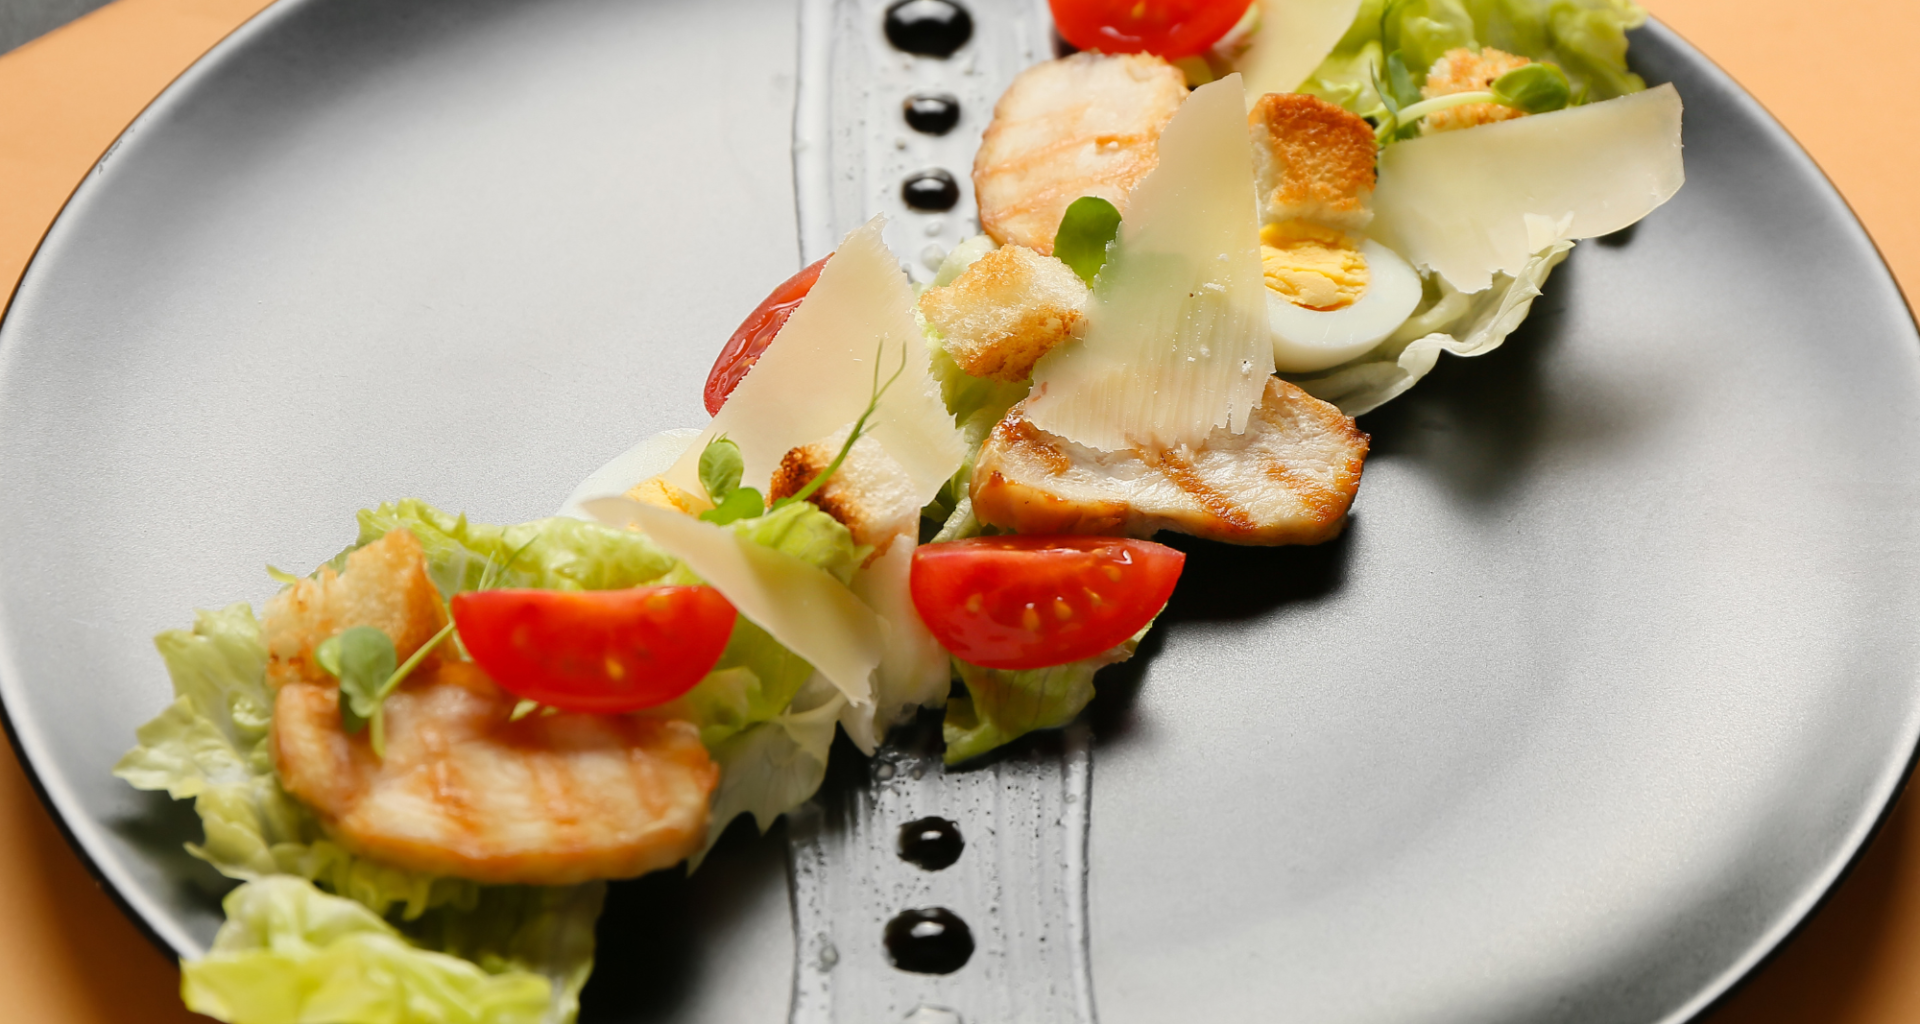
(931,844)
(930,28)
(934,113)
(929,940)
(934,190)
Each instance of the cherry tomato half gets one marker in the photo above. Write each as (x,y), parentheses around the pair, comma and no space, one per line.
(756,333)
(1029,602)
(1170,28)
(597,651)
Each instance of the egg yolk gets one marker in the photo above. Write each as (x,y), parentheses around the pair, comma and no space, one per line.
(1311,266)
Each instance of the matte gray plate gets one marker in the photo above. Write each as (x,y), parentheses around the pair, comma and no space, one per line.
(1610,679)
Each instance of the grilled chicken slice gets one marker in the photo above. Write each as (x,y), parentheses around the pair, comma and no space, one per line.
(1085,125)
(1288,480)
(463,790)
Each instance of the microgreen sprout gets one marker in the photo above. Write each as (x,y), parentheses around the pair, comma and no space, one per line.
(859,427)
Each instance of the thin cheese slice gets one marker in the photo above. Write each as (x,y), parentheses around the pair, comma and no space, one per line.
(817,376)
(1293,38)
(1177,341)
(650,457)
(1460,203)
(804,608)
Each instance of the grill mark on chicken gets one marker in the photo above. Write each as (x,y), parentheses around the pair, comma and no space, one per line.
(1289,479)
(1174,464)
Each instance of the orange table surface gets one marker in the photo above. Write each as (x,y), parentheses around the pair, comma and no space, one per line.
(1835,74)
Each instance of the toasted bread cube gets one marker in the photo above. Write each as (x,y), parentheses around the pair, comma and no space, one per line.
(1312,161)
(1006,311)
(1462,70)
(870,494)
(385,585)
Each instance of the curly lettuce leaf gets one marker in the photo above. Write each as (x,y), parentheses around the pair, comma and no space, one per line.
(1446,321)
(1002,705)
(291,954)
(1585,38)
(774,766)
(559,553)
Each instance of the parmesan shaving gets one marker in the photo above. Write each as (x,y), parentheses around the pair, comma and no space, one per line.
(818,375)
(1177,342)
(1474,203)
(1293,38)
(803,607)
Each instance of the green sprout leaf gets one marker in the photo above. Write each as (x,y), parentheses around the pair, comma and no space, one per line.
(720,469)
(1400,82)
(1533,88)
(1085,232)
(740,503)
(363,659)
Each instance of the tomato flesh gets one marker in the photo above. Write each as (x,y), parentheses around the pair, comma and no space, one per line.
(756,333)
(1020,602)
(1170,28)
(597,651)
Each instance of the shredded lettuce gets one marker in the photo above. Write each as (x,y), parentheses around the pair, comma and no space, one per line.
(291,954)
(1445,321)
(1585,38)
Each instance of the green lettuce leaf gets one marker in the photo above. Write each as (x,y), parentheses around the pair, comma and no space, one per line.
(1445,321)
(1585,38)
(291,954)
(1002,705)
(775,765)
(552,554)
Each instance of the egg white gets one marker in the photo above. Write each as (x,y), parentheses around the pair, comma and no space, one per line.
(1305,340)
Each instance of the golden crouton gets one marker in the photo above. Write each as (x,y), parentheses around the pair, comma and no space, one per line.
(655,490)
(1085,125)
(385,585)
(1462,70)
(1313,161)
(870,494)
(1006,311)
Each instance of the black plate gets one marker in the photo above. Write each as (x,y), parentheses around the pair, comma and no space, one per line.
(1611,678)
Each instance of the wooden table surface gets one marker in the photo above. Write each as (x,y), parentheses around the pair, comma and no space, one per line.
(1835,75)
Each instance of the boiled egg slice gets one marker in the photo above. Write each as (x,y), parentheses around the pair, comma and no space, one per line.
(1330,299)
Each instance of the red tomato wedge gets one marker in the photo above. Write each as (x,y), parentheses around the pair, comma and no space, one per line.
(756,333)
(1170,28)
(1029,602)
(597,651)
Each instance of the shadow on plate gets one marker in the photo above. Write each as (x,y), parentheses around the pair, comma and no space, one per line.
(1477,424)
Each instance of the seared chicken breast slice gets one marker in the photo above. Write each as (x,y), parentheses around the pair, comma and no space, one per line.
(463,790)
(1289,479)
(1085,125)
